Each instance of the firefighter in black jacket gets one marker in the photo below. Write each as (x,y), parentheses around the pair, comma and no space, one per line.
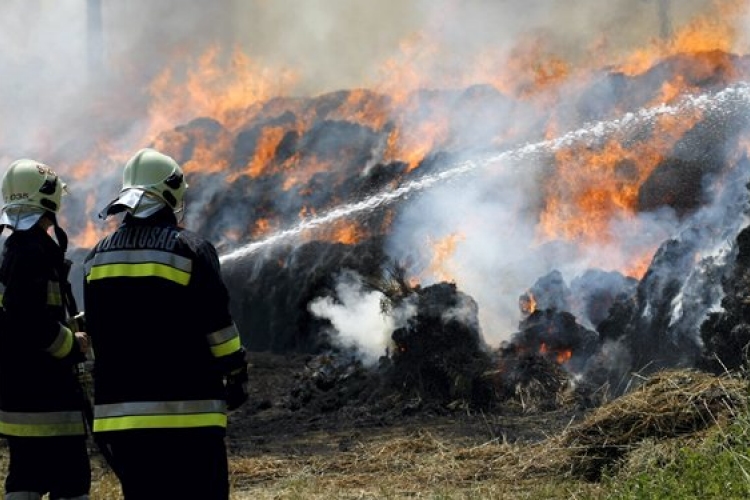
(168,358)
(40,399)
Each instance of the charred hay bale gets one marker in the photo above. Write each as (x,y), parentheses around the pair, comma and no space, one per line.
(331,381)
(269,292)
(596,291)
(558,335)
(726,344)
(668,404)
(337,383)
(726,333)
(531,380)
(440,355)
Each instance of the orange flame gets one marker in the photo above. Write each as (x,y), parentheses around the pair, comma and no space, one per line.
(594,186)
(560,355)
(527,303)
(442,251)
(713,32)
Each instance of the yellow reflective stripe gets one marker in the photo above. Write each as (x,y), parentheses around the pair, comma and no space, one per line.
(224,341)
(140,257)
(23,430)
(54,295)
(138,271)
(226,348)
(221,336)
(160,422)
(160,414)
(62,344)
(139,263)
(40,424)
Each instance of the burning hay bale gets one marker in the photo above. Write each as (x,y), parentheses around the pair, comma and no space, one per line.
(537,366)
(669,404)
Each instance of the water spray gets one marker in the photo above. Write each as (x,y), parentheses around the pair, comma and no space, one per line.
(718,102)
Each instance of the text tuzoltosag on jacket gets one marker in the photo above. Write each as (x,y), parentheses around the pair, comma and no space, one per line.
(39,391)
(163,338)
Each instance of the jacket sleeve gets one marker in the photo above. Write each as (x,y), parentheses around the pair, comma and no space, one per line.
(30,304)
(222,335)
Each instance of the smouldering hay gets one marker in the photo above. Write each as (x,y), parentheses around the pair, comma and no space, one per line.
(669,404)
(532,382)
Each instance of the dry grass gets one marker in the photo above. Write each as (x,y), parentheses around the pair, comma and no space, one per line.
(670,404)
(415,466)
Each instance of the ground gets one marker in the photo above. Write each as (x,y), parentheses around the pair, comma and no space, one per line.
(270,441)
(268,423)
(279,449)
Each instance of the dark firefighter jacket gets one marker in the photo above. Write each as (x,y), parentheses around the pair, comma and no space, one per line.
(157,313)
(39,392)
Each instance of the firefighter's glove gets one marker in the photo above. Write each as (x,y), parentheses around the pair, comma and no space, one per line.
(236,389)
(83,343)
(78,349)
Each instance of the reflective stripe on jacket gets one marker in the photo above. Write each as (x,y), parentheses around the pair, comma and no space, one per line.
(171,414)
(39,424)
(39,391)
(157,312)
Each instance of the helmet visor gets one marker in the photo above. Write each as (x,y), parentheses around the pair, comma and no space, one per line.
(137,202)
(21,217)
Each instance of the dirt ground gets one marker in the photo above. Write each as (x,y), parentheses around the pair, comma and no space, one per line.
(270,423)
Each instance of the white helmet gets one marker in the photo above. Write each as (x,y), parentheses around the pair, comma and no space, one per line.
(150,180)
(30,188)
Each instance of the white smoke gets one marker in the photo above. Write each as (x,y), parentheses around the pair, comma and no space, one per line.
(357,319)
(496,259)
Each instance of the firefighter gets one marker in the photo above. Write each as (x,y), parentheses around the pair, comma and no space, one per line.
(40,400)
(169,364)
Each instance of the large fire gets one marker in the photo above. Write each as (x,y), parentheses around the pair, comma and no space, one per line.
(261,160)
(588,189)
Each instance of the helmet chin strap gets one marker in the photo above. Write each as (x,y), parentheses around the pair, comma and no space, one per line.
(60,234)
(179,213)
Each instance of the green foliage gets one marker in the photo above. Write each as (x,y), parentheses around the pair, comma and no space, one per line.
(717,468)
